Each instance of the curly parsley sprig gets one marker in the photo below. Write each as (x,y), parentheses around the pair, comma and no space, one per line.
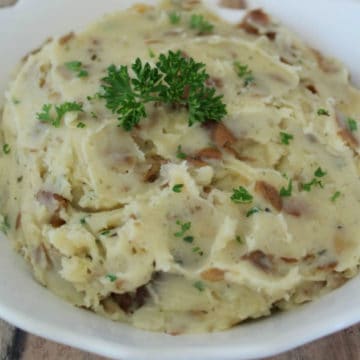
(174,80)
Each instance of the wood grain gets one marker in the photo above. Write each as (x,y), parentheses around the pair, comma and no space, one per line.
(17,345)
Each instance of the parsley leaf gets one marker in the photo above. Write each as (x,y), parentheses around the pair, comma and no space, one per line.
(80,125)
(197,250)
(199,23)
(6,149)
(244,72)
(111,277)
(335,196)
(189,239)
(199,285)
(241,196)
(174,17)
(319,172)
(178,188)
(77,67)
(180,154)
(5,225)
(314,182)
(285,192)
(239,239)
(253,211)
(61,110)
(352,124)
(285,138)
(167,83)
(184,227)
(323,112)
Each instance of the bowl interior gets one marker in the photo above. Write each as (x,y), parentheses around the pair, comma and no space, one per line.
(33,308)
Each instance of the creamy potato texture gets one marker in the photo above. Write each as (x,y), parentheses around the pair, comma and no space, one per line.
(180,228)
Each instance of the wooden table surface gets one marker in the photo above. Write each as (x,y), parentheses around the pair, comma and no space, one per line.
(16,344)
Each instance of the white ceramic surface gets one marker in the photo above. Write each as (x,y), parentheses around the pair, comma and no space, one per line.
(330,25)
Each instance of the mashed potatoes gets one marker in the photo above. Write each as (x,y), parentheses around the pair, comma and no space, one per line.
(181,228)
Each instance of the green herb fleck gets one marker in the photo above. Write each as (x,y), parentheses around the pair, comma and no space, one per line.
(83,221)
(244,72)
(314,182)
(80,125)
(151,53)
(189,239)
(180,154)
(165,83)
(178,188)
(285,192)
(15,101)
(184,227)
(197,250)
(111,277)
(174,17)
(285,138)
(93,115)
(5,225)
(252,211)
(319,172)
(199,23)
(239,239)
(241,196)
(323,112)
(61,110)
(335,196)
(352,124)
(77,67)
(6,149)
(199,285)
(105,232)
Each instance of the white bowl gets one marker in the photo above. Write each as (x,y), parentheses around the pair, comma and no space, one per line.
(331,26)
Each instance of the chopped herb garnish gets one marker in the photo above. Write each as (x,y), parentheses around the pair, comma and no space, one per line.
(77,67)
(197,250)
(5,225)
(105,232)
(180,154)
(313,182)
(244,73)
(285,192)
(83,221)
(285,138)
(61,110)
(335,196)
(184,227)
(199,23)
(151,53)
(80,125)
(19,179)
(111,277)
(177,188)
(199,285)
(352,124)
(165,83)
(241,196)
(189,239)
(252,211)
(319,172)
(174,17)
(239,239)
(6,149)
(16,101)
(93,115)
(323,112)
